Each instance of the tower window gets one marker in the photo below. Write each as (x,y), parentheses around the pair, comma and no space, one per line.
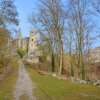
(32,39)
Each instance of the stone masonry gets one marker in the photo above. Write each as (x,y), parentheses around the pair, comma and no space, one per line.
(30,45)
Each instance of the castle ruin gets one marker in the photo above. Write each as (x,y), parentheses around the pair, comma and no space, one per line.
(30,45)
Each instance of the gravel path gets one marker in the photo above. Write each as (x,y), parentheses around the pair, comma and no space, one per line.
(24,87)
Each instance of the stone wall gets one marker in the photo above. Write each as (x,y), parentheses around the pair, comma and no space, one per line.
(25,43)
(30,44)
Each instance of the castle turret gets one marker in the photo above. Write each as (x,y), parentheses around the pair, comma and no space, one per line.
(25,43)
(33,41)
(19,39)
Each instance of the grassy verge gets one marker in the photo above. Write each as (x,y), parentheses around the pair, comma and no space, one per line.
(2,69)
(7,85)
(3,64)
(49,88)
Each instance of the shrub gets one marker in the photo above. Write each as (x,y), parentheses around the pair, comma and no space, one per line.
(21,52)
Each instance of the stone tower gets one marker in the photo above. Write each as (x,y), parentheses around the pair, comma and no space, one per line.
(25,43)
(33,41)
(19,45)
(33,47)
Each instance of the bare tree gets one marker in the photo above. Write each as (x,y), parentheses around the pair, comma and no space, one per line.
(8,16)
(8,13)
(96,5)
(50,24)
(81,31)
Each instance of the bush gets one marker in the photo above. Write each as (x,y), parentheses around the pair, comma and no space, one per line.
(21,52)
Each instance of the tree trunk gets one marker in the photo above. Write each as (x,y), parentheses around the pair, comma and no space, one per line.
(53,62)
(61,58)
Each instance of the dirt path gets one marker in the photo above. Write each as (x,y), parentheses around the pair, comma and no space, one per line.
(24,87)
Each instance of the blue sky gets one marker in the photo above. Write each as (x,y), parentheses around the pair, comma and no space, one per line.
(24,8)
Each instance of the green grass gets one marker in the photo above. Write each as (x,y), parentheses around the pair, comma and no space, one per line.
(7,85)
(49,88)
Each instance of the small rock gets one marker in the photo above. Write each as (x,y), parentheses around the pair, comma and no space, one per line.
(54,75)
(96,83)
